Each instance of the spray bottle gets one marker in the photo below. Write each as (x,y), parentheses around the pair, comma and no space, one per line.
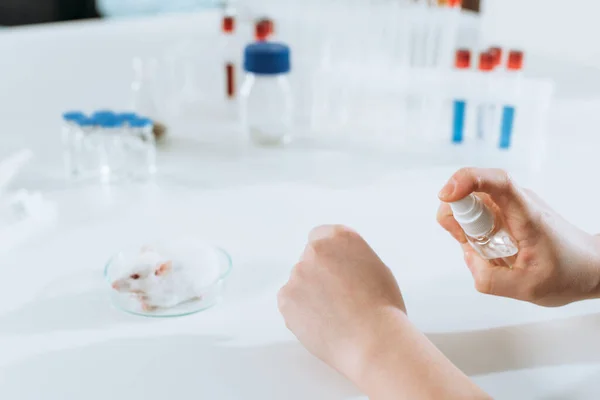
(486,235)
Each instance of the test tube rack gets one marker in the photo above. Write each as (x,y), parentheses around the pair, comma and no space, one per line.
(415,114)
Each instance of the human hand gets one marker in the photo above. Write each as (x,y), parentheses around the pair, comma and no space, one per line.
(337,297)
(557,263)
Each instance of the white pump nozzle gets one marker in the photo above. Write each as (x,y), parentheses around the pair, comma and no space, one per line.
(474,217)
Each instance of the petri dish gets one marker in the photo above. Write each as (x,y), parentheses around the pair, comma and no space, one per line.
(207,280)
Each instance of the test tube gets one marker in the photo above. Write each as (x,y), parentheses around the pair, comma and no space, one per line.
(228,29)
(462,63)
(514,67)
(445,31)
(418,34)
(485,110)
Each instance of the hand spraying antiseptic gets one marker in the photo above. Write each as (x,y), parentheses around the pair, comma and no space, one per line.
(486,235)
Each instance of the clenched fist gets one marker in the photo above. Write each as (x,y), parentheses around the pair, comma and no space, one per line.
(337,297)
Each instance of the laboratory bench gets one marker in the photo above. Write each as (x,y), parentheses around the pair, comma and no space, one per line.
(60,338)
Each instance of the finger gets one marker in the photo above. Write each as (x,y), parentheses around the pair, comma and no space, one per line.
(489,278)
(326,231)
(495,182)
(447,221)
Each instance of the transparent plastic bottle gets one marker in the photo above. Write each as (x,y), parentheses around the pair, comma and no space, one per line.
(266,93)
(486,236)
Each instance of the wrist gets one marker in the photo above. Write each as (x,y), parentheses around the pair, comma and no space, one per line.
(383,333)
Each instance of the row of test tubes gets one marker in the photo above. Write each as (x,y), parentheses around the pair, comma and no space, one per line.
(495,121)
(108,146)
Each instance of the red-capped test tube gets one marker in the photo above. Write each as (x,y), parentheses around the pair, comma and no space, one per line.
(486,62)
(485,111)
(264,28)
(228,29)
(454,3)
(515,60)
(463,59)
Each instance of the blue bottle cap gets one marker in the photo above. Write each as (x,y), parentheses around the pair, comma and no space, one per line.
(141,122)
(73,116)
(127,116)
(267,58)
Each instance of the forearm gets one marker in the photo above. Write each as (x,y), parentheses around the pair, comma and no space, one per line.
(595,267)
(588,261)
(401,363)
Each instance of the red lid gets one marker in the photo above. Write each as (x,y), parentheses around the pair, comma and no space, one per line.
(496,52)
(463,59)
(228,24)
(263,29)
(515,60)
(454,3)
(486,62)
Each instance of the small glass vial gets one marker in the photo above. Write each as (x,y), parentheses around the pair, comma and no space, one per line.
(71,140)
(88,157)
(486,236)
(112,152)
(141,146)
(266,94)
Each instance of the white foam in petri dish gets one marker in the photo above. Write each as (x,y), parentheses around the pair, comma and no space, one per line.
(169,279)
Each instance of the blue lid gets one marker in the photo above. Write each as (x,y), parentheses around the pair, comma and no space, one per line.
(85,122)
(73,116)
(267,58)
(104,114)
(110,122)
(140,122)
(127,116)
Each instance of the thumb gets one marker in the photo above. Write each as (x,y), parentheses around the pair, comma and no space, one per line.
(495,182)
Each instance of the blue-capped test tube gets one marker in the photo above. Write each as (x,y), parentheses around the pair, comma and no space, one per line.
(462,62)
(514,67)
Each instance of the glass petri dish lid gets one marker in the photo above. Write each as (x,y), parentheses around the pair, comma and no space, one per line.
(168,279)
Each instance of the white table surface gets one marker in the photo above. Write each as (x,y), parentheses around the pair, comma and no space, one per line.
(61,339)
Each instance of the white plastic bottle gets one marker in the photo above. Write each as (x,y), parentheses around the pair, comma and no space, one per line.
(486,236)
(266,94)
